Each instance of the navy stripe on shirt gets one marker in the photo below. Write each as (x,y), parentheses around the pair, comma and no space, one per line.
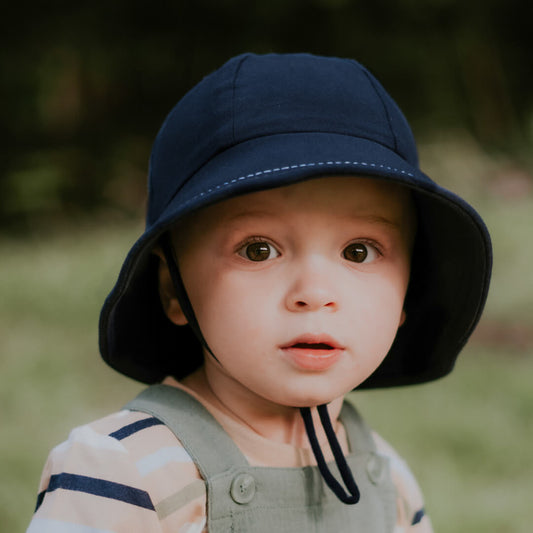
(40,498)
(418,517)
(132,428)
(98,487)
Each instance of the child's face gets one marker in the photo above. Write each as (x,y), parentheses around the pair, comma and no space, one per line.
(298,290)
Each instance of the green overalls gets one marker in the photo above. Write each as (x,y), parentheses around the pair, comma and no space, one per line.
(245,499)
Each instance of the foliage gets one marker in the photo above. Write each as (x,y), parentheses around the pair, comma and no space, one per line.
(86,85)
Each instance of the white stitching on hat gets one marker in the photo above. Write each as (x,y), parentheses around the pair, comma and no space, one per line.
(300,165)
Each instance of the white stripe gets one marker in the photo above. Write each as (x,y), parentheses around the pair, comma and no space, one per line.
(44,525)
(400,466)
(197,527)
(162,457)
(87,436)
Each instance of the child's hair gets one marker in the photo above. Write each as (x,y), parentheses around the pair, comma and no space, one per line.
(267,121)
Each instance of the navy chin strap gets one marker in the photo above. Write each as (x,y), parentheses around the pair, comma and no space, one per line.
(181,293)
(350,497)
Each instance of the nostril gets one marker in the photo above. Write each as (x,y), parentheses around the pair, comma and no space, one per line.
(301,304)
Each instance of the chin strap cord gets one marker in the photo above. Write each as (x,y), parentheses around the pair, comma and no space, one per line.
(181,293)
(350,497)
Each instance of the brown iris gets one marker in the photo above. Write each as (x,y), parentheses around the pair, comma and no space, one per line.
(258,251)
(355,252)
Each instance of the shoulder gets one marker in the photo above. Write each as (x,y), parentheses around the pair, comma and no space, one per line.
(410,503)
(127,469)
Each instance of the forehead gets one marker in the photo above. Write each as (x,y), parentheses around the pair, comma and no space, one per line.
(334,196)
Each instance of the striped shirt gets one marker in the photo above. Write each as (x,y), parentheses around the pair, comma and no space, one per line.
(128,473)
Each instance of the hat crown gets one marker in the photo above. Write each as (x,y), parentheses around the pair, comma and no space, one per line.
(254,96)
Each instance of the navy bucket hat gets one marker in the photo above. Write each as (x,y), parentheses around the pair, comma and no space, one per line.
(266,121)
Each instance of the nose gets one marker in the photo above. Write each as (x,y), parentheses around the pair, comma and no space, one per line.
(311,289)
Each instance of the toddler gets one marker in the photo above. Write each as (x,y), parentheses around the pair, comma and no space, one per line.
(293,252)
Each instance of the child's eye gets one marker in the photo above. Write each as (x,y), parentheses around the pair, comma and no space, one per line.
(258,251)
(358,252)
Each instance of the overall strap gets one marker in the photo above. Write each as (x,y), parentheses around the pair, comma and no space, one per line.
(358,433)
(194,426)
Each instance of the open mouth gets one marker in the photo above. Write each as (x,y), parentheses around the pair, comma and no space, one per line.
(318,342)
(313,346)
(313,352)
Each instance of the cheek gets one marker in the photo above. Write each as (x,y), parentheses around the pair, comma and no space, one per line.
(378,308)
(381,293)
(231,308)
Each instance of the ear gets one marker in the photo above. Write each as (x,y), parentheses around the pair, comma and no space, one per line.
(403,318)
(167,294)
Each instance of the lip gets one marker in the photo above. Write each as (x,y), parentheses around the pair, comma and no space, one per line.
(313,352)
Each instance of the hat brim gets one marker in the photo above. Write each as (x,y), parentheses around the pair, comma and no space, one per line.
(450,270)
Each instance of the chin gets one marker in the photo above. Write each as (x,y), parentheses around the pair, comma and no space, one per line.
(312,398)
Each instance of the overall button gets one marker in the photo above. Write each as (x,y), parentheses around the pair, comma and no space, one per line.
(243,488)
(375,469)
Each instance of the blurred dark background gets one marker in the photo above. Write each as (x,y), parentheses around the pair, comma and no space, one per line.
(85,86)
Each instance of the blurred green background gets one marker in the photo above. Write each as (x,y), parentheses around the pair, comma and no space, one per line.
(84,89)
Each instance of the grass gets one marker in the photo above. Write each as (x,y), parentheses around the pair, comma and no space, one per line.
(466,437)
(52,378)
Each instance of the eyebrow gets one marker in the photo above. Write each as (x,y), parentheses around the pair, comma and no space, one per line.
(372,218)
(249,214)
(379,219)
